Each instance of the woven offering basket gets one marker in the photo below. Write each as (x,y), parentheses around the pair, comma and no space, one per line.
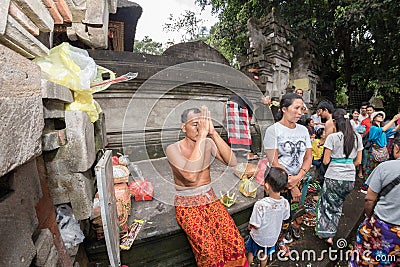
(245,170)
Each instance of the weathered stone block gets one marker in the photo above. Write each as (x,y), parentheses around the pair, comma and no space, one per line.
(16,48)
(21,110)
(4,5)
(46,215)
(18,216)
(80,136)
(95,28)
(16,34)
(43,240)
(26,22)
(78,9)
(53,109)
(113,5)
(52,259)
(95,12)
(54,140)
(55,91)
(78,155)
(82,194)
(74,188)
(38,13)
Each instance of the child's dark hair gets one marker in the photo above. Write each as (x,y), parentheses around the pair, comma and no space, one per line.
(277,178)
(319,132)
(308,120)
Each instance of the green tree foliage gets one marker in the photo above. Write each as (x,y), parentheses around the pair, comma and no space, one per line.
(189,25)
(148,46)
(358,41)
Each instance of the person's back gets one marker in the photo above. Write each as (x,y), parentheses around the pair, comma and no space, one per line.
(382,210)
(267,216)
(387,208)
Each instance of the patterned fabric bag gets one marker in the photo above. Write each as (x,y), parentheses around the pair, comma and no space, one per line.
(380,154)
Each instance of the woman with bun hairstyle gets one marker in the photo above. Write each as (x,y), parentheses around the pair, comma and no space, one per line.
(343,151)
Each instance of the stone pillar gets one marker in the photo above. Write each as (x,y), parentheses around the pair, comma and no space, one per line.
(305,68)
(269,54)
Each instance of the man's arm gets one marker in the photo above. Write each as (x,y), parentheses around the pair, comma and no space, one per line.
(221,150)
(329,127)
(369,204)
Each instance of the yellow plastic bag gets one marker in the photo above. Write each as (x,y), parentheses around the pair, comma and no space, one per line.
(69,66)
(84,98)
(72,67)
(247,187)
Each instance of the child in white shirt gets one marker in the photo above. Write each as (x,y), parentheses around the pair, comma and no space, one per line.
(267,216)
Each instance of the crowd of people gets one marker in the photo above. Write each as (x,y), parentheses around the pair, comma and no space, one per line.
(342,147)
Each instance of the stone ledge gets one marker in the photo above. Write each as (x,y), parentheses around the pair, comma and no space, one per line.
(51,90)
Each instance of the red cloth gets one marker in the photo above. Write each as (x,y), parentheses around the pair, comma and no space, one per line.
(367,123)
(211,231)
(238,124)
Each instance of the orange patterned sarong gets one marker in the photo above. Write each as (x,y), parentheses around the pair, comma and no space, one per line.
(212,233)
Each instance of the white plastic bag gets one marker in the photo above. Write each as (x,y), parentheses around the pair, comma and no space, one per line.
(70,230)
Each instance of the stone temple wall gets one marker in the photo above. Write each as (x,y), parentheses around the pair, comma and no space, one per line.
(29,235)
(143,115)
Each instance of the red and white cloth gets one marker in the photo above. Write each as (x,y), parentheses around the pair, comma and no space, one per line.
(238,126)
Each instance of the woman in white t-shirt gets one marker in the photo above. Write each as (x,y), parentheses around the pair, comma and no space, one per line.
(343,151)
(287,145)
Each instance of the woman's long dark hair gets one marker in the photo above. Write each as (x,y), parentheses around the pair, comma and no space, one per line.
(343,125)
(286,101)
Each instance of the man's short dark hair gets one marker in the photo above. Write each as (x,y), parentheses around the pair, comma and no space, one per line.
(364,103)
(370,106)
(277,178)
(185,113)
(326,105)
